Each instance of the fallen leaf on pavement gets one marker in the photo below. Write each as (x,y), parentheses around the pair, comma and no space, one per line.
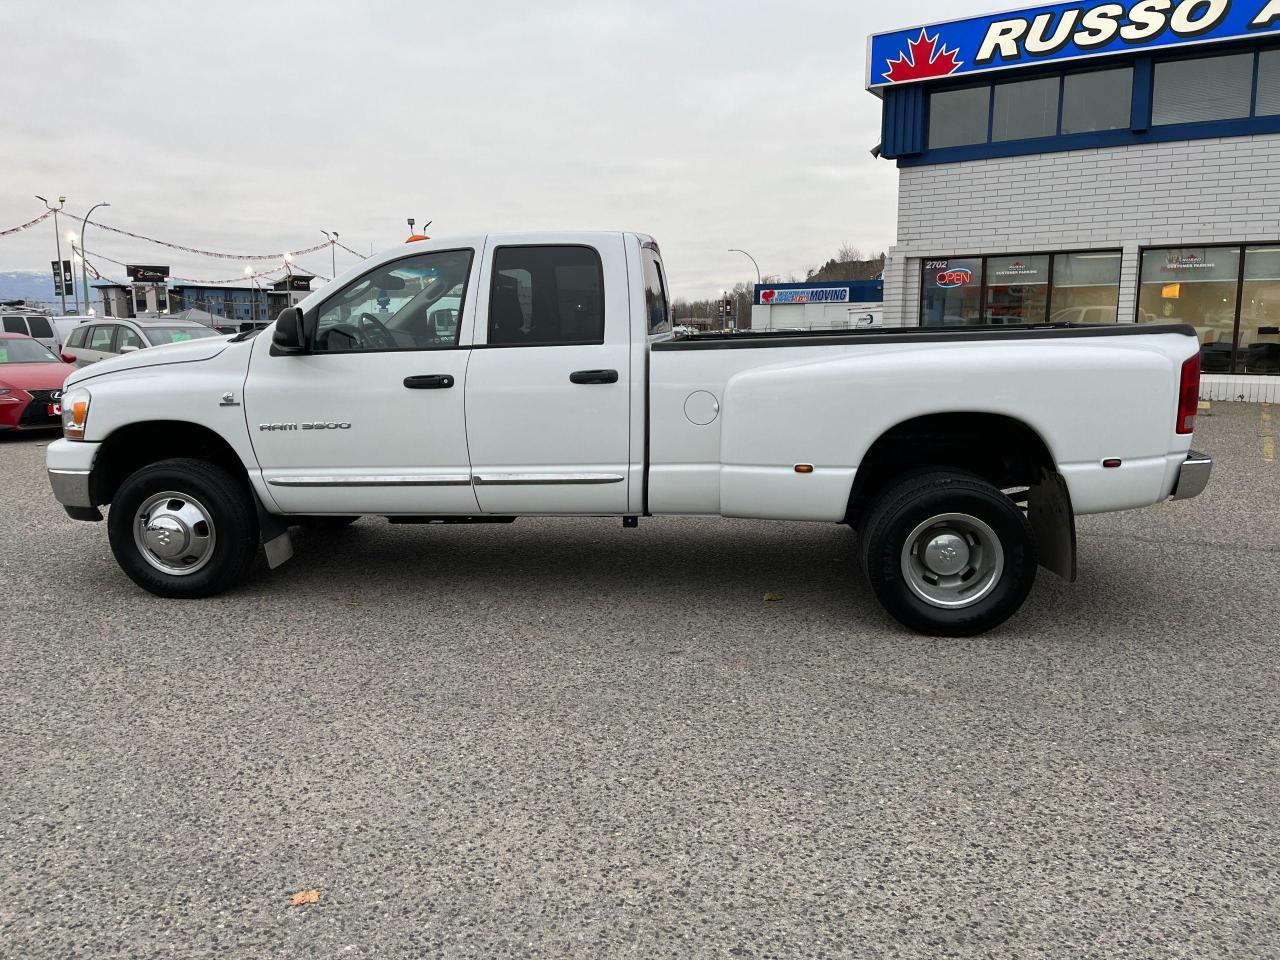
(770,597)
(306,896)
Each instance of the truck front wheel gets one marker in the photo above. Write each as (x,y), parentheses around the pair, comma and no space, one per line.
(948,554)
(183,528)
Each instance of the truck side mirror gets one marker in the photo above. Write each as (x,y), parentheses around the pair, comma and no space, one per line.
(288,336)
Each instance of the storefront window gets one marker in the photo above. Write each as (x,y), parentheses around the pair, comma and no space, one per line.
(1259,344)
(1207,88)
(952,294)
(1017,289)
(959,117)
(1025,109)
(1195,285)
(1086,287)
(1097,100)
(1268,83)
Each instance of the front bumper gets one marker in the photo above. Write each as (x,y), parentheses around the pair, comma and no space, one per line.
(1193,476)
(70,463)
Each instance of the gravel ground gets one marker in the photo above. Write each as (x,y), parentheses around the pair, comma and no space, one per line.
(566,739)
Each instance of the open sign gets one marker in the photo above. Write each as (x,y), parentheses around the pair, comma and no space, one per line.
(957,277)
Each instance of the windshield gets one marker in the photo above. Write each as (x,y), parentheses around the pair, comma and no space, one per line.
(25,351)
(158,335)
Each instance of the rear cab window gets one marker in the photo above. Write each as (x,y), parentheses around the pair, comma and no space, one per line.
(40,327)
(15,325)
(546,296)
(657,305)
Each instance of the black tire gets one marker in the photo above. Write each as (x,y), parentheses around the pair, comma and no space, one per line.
(230,505)
(324,524)
(917,498)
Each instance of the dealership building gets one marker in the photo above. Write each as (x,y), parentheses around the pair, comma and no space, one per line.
(1092,162)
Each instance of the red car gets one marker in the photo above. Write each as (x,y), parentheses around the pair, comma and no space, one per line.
(31,381)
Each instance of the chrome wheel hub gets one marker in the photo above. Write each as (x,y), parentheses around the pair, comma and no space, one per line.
(952,560)
(174,533)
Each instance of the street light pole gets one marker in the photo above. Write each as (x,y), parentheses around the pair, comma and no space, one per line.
(333,252)
(57,236)
(288,283)
(759,281)
(84,263)
(253,301)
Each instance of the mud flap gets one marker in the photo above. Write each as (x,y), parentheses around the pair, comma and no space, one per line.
(1054,524)
(276,542)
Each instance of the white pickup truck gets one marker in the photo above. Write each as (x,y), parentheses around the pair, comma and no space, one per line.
(485,378)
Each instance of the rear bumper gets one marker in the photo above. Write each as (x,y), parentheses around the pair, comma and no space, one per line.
(1193,476)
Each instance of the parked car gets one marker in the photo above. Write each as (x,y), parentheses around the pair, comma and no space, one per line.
(100,339)
(31,378)
(33,325)
(960,456)
(62,326)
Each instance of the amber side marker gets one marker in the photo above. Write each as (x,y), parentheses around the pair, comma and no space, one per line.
(804,468)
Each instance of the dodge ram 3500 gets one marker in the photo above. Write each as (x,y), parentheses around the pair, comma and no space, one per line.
(486,378)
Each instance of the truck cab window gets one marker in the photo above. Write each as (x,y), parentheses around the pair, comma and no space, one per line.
(410,304)
(544,296)
(655,295)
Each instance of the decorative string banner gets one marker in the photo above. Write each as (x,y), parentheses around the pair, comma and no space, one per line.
(40,219)
(204,283)
(209,253)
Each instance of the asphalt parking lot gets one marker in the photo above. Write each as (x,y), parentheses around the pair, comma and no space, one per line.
(562,738)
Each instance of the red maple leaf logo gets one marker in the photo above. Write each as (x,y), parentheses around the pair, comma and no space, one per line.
(923,60)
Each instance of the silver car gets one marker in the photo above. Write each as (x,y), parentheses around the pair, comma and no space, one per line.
(98,339)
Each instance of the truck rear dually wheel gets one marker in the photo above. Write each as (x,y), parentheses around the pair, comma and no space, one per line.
(183,528)
(948,554)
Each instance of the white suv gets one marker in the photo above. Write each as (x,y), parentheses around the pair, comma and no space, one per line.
(32,325)
(98,339)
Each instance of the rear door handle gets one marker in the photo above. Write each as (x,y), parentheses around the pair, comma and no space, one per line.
(594,376)
(430,381)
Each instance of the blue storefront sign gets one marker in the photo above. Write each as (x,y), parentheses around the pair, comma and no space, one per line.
(1058,32)
(838,291)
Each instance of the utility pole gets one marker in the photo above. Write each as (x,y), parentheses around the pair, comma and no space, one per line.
(57,236)
(84,263)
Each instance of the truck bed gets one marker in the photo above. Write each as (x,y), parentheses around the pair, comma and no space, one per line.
(731,417)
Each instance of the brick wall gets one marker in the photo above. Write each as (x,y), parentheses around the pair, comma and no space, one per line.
(1162,194)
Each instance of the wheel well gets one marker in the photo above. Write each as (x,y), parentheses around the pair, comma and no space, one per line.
(1004,451)
(133,447)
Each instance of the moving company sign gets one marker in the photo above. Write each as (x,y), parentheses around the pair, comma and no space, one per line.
(1061,31)
(805,295)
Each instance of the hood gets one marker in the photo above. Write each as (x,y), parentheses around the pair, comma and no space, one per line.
(188,351)
(34,376)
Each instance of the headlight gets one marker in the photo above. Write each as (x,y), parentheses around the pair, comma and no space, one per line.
(75,413)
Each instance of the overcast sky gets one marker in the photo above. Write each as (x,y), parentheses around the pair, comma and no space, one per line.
(249,127)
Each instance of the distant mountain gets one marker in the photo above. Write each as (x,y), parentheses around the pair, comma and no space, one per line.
(26,285)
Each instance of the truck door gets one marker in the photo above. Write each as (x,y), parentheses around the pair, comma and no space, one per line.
(370,419)
(549,382)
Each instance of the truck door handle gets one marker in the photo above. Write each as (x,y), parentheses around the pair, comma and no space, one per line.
(594,376)
(431,381)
